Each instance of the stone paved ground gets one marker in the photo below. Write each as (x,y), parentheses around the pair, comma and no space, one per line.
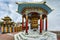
(6,37)
(9,37)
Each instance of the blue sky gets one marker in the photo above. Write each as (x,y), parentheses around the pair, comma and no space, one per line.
(8,8)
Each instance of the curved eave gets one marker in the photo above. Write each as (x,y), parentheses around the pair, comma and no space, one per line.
(44,6)
(31,2)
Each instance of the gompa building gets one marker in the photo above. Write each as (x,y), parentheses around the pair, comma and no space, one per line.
(32,12)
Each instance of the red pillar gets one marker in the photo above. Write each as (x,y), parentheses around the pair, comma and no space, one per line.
(40,23)
(43,24)
(22,22)
(26,24)
(46,24)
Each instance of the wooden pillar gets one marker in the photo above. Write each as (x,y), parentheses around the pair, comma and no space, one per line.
(46,24)
(40,23)
(26,24)
(22,22)
(43,24)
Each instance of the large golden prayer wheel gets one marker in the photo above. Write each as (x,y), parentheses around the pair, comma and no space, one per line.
(10,29)
(6,29)
(34,23)
(2,28)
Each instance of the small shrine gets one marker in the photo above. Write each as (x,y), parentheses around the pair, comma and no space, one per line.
(7,25)
(32,12)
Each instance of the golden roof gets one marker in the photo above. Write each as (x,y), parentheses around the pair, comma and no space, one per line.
(7,18)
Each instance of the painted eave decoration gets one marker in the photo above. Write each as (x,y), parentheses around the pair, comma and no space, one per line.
(21,6)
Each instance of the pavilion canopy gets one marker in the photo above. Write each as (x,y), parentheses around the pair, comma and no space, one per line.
(38,5)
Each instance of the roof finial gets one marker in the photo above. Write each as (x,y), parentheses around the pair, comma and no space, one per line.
(44,1)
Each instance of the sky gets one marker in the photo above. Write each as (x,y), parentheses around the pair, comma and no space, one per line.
(9,7)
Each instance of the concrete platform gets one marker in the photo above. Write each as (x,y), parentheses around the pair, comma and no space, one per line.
(35,36)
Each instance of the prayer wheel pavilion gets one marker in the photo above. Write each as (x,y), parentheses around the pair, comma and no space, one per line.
(32,12)
(7,25)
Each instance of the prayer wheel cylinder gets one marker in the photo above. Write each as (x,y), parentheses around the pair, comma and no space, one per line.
(10,29)
(2,28)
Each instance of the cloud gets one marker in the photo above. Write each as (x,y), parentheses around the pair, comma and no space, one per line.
(54,16)
(21,0)
(31,0)
(16,16)
(9,10)
(9,0)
